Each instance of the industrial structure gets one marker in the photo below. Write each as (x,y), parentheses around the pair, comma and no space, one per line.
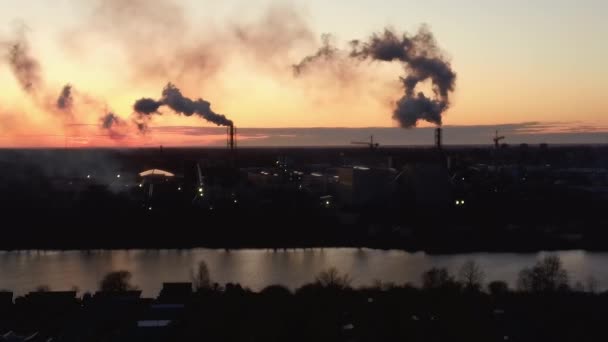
(439,138)
(232,138)
(371,144)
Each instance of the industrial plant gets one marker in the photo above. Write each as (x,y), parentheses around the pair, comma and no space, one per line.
(381,196)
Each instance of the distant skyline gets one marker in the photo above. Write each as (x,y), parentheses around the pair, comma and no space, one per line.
(517,62)
(532,133)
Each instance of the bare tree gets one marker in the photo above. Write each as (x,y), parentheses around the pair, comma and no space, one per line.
(200,277)
(471,276)
(547,275)
(333,279)
(591,284)
(118,281)
(437,278)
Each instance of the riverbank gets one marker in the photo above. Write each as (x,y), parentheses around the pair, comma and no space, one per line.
(328,309)
(24,271)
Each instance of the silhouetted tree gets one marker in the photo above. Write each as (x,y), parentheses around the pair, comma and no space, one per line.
(200,277)
(591,284)
(498,287)
(43,288)
(333,279)
(118,281)
(437,278)
(471,276)
(383,286)
(276,290)
(547,275)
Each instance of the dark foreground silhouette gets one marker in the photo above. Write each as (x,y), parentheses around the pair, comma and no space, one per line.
(455,200)
(444,308)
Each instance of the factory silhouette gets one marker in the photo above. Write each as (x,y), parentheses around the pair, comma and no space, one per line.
(437,198)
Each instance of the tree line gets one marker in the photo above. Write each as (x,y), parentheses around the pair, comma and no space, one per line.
(546,276)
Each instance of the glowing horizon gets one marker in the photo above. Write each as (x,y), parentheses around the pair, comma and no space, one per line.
(515,63)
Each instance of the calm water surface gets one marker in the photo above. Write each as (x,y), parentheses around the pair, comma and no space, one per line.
(23,271)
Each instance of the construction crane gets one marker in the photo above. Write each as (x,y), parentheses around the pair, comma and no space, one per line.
(497,139)
(371,144)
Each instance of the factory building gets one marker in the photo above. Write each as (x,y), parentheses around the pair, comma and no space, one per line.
(426,184)
(364,186)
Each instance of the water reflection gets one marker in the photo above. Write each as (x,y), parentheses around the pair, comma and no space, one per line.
(23,271)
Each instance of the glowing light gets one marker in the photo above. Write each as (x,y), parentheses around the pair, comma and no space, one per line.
(179,189)
(327,203)
(150,208)
(88,176)
(141,185)
(118,176)
(200,190)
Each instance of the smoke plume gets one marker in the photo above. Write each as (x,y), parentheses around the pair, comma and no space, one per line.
(147,106)
(109,120)
(65,101)
(422,61)
(172,97)
(24,65)
(327,52)
(179,49)
(113,125)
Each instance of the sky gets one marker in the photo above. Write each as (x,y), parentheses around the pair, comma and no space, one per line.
(517,62)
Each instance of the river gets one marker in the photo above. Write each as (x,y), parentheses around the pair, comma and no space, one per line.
(23,271)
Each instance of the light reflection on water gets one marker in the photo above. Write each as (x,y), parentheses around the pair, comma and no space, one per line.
(23,271)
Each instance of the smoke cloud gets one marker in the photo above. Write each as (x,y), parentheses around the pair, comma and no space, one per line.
(113,125)
(110,120)
(65,100)
(23,63)
(422,61)
(27,70)
(172,97)
(177,48)
(147,106)
(326,52)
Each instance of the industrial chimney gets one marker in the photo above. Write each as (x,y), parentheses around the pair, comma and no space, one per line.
(439,138)
(232,137)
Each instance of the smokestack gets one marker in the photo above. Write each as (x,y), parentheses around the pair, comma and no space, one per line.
(439,138)
(232,137)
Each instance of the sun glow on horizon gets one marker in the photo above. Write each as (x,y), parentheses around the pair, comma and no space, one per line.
(502,76)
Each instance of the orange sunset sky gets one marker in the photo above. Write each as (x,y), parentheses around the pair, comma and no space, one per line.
(516,62)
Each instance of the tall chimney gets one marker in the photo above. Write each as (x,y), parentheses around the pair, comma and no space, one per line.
(439,138)
(231,138)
